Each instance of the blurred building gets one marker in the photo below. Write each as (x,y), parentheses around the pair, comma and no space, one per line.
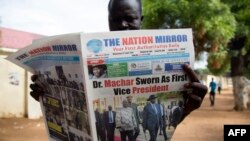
(14,89)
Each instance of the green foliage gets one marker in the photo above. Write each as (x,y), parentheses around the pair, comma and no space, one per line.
(219,62)
(212,23)
(210,20)
(241,11)
(202,71)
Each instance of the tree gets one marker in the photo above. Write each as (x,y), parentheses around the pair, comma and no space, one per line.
(222,29)
(212,23)
(240,52)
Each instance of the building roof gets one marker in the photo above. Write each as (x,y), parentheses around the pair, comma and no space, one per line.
(16,39)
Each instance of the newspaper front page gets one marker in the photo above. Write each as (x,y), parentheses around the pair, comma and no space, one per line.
(102,85)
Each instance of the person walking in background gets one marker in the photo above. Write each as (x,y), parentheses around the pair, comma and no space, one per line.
(109,121)
(136,115)
(212,87)
(219,87)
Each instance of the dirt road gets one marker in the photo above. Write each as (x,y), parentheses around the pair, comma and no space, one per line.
(205,124)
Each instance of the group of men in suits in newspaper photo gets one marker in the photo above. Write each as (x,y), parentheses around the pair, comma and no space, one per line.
(134,123)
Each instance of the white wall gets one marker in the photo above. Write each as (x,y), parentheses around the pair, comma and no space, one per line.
(14,92)
(11,95)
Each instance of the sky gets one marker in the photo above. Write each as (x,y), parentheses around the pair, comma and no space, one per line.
(55,17)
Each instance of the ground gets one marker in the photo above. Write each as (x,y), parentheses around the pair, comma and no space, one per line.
(204,124)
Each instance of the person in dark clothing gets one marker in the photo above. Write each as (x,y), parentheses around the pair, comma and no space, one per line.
(177,114)
(151,118)
(109,121)
(163,120)
(100,130)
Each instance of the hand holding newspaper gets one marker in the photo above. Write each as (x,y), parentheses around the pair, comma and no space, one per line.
(86,74)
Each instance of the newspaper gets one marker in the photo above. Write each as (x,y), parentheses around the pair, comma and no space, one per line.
(87,74)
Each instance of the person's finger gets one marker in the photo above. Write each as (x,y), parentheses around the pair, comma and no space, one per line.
(192,97)
(192,102)
(35,87)
(198,89)
(32,86)
(191,74)
(195,98)
(197,86)
(35,95)
(34,77)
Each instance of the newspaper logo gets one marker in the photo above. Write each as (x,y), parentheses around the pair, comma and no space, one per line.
(94,45)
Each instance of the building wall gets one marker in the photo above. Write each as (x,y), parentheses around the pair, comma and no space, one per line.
(14,88)
(14,92)
(11,90)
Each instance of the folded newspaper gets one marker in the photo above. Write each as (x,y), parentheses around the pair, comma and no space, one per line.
(102,86)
